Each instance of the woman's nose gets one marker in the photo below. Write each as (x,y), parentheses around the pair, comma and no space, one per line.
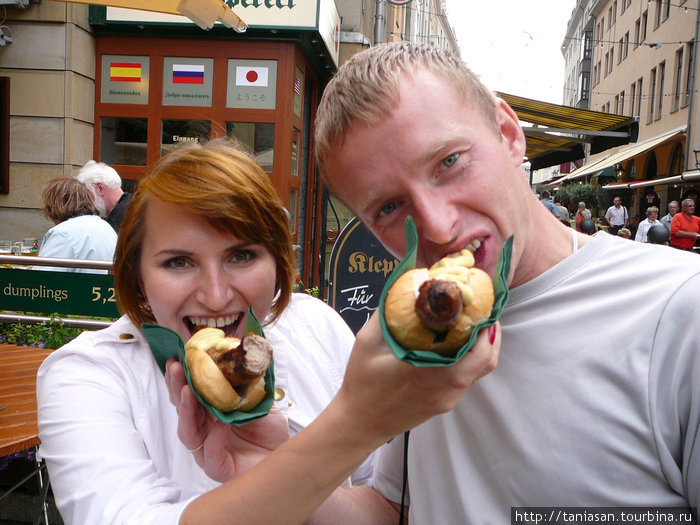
(215,290)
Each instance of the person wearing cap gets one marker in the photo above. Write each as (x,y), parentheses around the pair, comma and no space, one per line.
(105,184)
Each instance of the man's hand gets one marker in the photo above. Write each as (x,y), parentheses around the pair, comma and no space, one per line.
(222,451)
(382,396)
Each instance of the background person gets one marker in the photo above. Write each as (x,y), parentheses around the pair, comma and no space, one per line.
(104,183)
(651,220)
(563,212)
(79,233)
(624,233)
(549,204)
(581,214)
(617,216)
(108,431)
(673,208)
(685,227)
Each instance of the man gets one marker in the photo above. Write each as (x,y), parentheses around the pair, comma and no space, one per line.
(104,183)
(570,410)
(549,204)
(582,213)
(685,227)
(563,212)
(672,210)
(617,216)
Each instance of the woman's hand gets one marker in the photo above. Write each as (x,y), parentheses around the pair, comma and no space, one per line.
(222,451)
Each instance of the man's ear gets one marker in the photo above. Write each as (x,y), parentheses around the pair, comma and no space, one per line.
(511,132)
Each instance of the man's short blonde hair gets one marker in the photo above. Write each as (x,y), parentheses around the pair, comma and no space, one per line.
(366,89)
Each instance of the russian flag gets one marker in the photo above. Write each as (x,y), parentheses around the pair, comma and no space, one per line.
(188,74)
(125,71)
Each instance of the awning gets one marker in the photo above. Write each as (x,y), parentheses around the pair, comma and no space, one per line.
(204,13)
(559,132)
(621,156)
(688,176)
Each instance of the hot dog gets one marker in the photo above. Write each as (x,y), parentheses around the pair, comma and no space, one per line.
(436,309)
(229,373)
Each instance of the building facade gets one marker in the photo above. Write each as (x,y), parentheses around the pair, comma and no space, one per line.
(80,83)
(638,58)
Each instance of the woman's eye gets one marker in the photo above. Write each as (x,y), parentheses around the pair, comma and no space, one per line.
(388,208)
(243,256)
(450,160)
(177,262)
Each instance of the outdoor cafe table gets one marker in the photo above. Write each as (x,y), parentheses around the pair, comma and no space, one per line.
(18,418)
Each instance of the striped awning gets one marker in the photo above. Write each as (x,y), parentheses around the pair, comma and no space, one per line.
(557,133)
(622,155)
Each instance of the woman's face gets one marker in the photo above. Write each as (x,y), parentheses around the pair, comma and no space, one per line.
(194,275)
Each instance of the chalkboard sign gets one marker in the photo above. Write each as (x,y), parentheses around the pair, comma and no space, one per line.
(359,267)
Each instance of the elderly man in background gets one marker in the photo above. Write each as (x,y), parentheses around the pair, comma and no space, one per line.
(104,183)
(673,208)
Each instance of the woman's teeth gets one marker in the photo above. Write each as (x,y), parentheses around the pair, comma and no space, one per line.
(474,245)
(213,322)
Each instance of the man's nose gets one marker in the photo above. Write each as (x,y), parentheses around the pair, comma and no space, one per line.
(434,218)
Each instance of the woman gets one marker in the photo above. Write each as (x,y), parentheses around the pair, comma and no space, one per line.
(79,232)
(206,237)
(581,214)
(646,224)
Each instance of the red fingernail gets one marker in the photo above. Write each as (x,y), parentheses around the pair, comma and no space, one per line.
(492,333)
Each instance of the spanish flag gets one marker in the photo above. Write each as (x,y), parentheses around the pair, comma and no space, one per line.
(125,71)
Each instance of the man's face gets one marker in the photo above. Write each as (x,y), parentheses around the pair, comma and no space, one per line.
(689,208)
(438,160)
(673,208)
(617,202)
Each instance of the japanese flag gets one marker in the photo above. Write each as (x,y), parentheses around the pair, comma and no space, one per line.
(251,76)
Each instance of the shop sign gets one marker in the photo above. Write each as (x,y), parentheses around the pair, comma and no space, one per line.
(251,84)
(359,268)
(49,292)
(187,81)
(125,79)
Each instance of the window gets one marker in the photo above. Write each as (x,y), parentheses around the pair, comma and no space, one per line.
(640,85)
(661,79)
(607,63)
(617,104)
(256,137)
(613,15)
(689,75)
(621,43)
(637,34)
(678,80)
(643,27)
(612,53)
(177,131)
(626,45)
(621,109)
(585,87)
(652,95)
(610,17)
(633,94)
(657,19)
(587,45)
(123,141)
(667,10)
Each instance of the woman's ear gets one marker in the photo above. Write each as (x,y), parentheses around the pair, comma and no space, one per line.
(511,132)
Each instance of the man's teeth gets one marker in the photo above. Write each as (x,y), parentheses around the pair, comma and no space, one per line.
(214,322)
(474,245)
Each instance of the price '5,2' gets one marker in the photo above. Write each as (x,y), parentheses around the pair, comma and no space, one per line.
(101,296)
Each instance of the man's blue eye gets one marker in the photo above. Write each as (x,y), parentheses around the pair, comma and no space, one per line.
(451,160)
(388,208)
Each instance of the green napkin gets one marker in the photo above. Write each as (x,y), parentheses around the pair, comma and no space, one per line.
(166,344)
(426,357)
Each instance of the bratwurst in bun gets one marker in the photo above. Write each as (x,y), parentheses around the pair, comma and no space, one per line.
(229,373)
(436,309)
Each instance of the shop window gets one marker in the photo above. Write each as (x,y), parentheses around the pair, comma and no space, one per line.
(123,140)
(258,138)
(175,132)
